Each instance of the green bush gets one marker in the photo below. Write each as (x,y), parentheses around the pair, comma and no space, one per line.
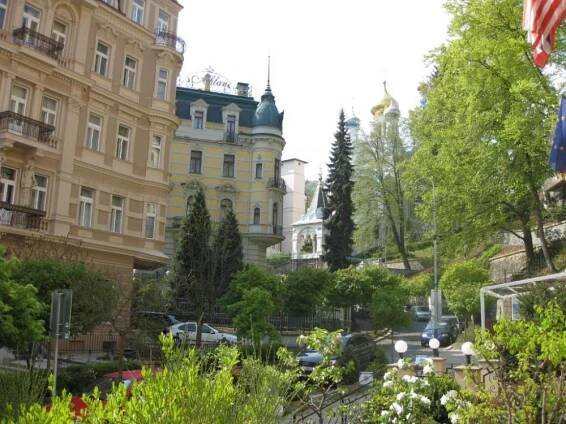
(21,389)
(77,379)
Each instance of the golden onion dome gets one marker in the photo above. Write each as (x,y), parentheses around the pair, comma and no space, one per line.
(386,102)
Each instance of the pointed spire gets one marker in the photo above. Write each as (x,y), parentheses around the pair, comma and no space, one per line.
(320,174)
(385,87)
(268,74)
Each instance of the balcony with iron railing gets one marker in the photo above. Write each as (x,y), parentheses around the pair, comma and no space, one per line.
(22,217)
(230,137)
(169,40)
(277,184)
(23,126)
(31,38)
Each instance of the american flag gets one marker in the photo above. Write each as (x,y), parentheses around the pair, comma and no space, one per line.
(541,19)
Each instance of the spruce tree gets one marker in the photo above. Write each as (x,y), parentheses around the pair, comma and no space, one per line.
(228,253)
(339,225)
(193,266)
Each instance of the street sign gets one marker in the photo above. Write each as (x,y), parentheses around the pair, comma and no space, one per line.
(60,319)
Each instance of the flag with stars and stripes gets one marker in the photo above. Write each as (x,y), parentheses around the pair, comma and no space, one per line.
(558,153)
(541,19)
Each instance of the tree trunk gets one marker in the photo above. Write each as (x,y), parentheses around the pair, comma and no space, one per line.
(198,336)
(399,241)
(528,243)
(540,233)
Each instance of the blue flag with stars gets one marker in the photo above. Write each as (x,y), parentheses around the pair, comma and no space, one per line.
(558,153)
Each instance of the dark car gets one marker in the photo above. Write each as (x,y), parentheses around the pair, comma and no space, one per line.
(154,321)
(441,331)
(358,347)
(454,324)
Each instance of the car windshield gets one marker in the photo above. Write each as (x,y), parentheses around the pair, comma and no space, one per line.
(437,325)
(421,309)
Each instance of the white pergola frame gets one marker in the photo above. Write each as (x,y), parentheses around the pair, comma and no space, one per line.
(515,288)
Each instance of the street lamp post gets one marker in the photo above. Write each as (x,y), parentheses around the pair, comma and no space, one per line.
(435,297)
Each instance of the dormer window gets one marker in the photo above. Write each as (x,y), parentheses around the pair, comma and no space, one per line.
(231,128)
(198,120)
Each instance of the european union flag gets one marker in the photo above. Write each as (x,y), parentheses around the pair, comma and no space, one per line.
(558,153)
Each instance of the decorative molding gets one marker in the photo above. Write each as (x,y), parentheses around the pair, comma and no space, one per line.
(226,188)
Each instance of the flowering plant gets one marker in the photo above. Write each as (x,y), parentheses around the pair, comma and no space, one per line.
(404,398)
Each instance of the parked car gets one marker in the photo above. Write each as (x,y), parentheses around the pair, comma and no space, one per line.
(454,324)
(438,330)
(187,332)
(150,320)
(421,313)
(358,347)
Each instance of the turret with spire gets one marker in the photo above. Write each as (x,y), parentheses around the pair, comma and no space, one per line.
(388,106)
(267,118)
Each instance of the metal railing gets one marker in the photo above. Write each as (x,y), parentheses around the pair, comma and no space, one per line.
(38,41)
(278,183)
(169,39)
(22,217)
(28,127)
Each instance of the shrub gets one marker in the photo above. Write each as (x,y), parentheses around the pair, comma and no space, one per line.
(21,389)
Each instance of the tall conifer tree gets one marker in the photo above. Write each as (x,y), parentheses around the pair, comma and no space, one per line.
(194,267)
(228,252)
(340,226)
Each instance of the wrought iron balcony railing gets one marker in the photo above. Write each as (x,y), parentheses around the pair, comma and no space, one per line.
(38,41)
(27,127)
(22,217)
(230,137)
(278,183)
(170,40)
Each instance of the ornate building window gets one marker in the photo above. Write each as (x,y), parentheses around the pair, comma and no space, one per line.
(228,166)
(259,170)
(257,215)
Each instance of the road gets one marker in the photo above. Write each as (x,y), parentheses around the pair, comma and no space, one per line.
(412,336)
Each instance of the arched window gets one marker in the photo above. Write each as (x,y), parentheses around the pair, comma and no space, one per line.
(225,205)
(257,214)
(190,202)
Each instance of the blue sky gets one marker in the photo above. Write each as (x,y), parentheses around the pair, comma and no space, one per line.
(325,55)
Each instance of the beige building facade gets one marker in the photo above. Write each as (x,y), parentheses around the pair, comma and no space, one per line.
(231,146)
(87,116)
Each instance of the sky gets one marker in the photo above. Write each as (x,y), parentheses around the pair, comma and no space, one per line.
(325,55)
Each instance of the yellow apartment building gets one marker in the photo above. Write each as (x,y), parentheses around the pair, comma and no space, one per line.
(230,145)
(87,116)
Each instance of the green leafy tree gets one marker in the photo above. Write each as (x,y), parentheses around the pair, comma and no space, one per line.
(20,310)
(340,225)
(351,286)
(193,276)
(482,134)
(253,296)
(304,290)
(379,191)
(461,283)
(94,293)
(418,286)
(388,299)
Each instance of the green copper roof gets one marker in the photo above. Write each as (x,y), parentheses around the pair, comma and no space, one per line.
(266,114)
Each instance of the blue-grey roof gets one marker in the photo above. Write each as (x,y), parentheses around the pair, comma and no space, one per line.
(266,114)
(215,101)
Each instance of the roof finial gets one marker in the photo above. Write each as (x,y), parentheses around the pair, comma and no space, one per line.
(320,173)
(385,87)
(268,73)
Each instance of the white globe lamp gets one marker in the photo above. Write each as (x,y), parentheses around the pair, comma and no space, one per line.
(434,344)
(401,348)
(468,351)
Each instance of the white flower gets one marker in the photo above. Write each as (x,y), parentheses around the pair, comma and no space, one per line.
(444,400)
(408,416)
(387,384)
(425,400)
(413,394)
(396,407)
(409,378)
(387,375)
(453,418)
(384,413)
(451,394)
(428,370)
(400,363)
(400,396)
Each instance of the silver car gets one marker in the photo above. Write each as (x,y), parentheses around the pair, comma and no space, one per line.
(421,313)
(187,332)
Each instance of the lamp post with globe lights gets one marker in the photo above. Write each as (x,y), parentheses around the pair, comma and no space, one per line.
(401,348)
(434,344)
